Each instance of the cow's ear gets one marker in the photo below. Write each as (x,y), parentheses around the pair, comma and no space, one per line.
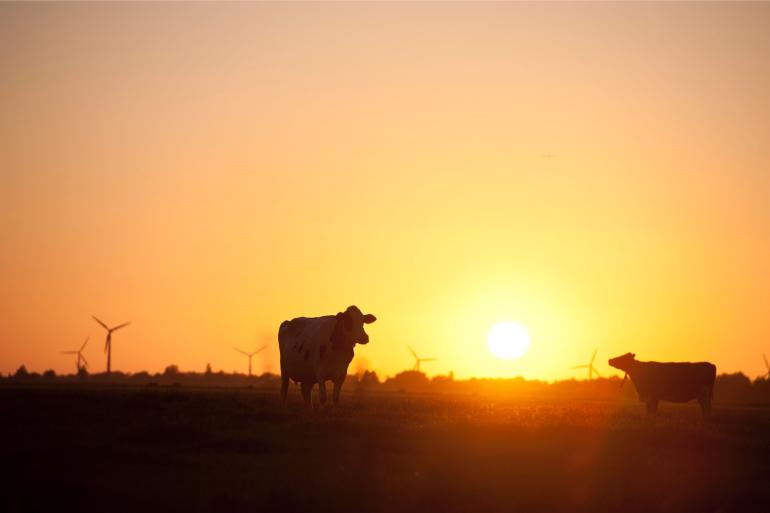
(369,318)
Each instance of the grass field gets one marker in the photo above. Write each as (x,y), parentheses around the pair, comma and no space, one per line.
(165,449)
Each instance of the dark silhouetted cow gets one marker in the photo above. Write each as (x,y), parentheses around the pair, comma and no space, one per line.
(675,382)
(316,349)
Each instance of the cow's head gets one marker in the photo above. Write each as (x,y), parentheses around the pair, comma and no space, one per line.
(350,324)
(623,363)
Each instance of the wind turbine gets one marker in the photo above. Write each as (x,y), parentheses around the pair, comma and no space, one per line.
(590,366)
(108,340)
(767,366)
(418,360)
(80,358)
(250,355)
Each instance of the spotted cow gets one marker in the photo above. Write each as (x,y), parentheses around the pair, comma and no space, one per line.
(316,349)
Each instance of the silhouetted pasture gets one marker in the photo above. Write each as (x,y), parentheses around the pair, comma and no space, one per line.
(71,448)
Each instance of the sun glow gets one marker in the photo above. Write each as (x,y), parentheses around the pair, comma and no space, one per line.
(508,340)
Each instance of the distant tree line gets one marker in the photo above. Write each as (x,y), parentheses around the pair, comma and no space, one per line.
(729,388)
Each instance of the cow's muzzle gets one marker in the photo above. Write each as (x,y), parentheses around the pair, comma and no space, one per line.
(364,340)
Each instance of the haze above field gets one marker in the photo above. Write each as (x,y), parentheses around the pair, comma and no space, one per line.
(596,172)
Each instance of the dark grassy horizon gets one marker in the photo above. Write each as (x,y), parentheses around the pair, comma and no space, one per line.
(195,450)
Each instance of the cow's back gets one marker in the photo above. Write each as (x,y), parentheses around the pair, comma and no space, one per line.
(298,339)
(676,382)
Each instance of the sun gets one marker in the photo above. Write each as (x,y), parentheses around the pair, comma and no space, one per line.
(508,340)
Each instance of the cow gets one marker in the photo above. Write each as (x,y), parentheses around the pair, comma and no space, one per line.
(667,381)
(316,349)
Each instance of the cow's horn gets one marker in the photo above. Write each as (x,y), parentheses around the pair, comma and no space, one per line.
(624,380)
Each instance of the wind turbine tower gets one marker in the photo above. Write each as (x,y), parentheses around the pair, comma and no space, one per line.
(590,366)
(81,361)
(108,340)
(418,360)
(250,355)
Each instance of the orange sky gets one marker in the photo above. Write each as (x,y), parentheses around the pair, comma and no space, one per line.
(209,170)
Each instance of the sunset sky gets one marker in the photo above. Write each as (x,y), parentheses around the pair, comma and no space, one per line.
(599,173)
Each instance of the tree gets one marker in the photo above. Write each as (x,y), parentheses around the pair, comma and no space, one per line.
(21,372)
(732,388)
(368,379)
(209,372)
(171,370)
(408,380)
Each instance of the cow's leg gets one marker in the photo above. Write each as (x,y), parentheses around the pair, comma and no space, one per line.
(652,406)
(322,391)
(337,388)
(704,399)
(704,407)
(284,387)
(307,389)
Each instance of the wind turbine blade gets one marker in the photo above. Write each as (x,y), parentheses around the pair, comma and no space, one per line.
(412,351)
(84,344)
(84,359)
(597,372)
(428,359)
(100,322)
(242,352)
(69,352)
(593,357)
(580,366)
(121,326)
(260,349)
(766,364)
